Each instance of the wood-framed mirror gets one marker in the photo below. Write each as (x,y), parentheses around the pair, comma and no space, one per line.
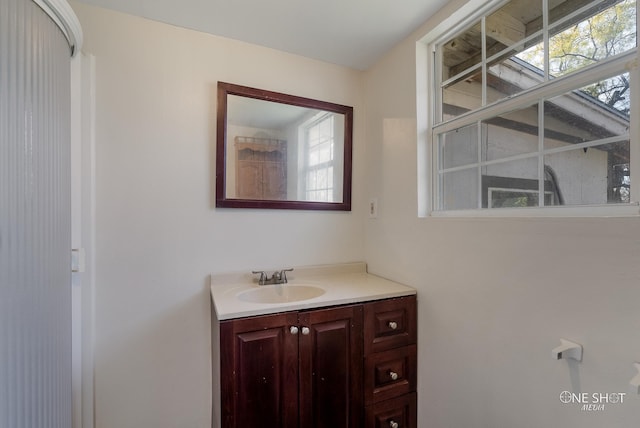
(281,151)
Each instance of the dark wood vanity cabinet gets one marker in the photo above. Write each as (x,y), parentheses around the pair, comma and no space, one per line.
(390,362)
(340,367)
(295,369)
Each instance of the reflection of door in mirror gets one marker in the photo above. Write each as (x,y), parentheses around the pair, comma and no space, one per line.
(261,171)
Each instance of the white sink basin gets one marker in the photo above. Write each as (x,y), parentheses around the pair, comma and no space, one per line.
(281,293)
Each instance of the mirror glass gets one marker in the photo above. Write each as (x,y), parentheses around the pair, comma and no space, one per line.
(281,151)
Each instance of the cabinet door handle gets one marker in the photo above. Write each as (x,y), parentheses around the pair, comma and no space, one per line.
(393,375)
(393,424)
(305,330)
(293,329)
(393,325)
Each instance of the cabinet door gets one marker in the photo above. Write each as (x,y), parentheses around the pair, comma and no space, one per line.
(331,368)
(259,372)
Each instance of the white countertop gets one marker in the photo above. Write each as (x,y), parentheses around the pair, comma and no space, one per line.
(343,284)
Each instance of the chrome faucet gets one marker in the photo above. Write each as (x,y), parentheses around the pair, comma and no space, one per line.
(278,277)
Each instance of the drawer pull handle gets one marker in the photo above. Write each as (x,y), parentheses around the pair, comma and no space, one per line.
(393,325)
(393,424)
(305,330)
(393,375)
(293,329)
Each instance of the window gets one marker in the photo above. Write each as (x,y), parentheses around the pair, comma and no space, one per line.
(319,159)
(534,98)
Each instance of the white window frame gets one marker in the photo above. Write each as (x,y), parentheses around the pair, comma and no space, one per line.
(428,89)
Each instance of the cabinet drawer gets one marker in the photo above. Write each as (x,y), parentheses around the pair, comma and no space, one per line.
(389,324)
(399,412)
(389,374)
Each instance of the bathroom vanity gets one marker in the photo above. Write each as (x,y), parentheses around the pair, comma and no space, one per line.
(344,357)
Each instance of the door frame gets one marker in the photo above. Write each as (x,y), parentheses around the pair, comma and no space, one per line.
(83,237)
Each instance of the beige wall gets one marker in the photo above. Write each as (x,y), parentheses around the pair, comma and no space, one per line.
(158,233)
(496,295)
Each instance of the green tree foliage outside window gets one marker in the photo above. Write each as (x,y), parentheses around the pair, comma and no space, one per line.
(608,33)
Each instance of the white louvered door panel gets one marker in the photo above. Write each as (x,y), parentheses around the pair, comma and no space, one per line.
(35,258)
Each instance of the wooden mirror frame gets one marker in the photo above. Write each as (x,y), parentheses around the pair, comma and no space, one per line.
(225,89)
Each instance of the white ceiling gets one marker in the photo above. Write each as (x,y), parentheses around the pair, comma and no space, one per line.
(353,33)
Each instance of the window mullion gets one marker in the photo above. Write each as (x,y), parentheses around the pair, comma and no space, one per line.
(483,26)
(479,168)
(634,125)
(634,131)
(437,86)
(541,174)
(545,38)
(483,30)
(438,153)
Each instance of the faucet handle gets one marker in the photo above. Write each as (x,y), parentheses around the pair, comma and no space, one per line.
(283,275)
(263,276)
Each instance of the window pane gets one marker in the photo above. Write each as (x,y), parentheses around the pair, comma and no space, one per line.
(462,95)
(462,52)
(313,136)
(597,175)
(514,72)
(613,93)
(326,128)
(460,189)
(512,198)
(592,113)
(510,134)
(510,184)
(461,60)
(459,147)
(311,180)
(314,157)
(591,37)
(560,9)
(320,154)
(510,24)
(319,185)
(533,56)
(620,190)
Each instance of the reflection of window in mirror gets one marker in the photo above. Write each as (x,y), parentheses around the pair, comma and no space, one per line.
(319,159)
